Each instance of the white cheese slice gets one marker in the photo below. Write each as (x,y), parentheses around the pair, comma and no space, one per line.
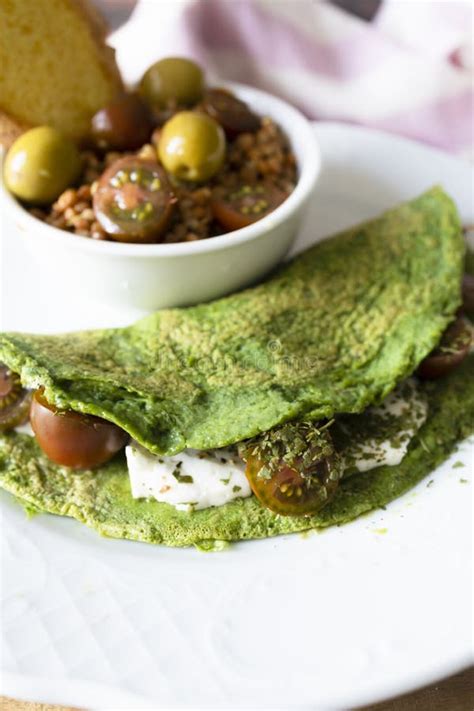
(410,409)
(189,480)
(204,479)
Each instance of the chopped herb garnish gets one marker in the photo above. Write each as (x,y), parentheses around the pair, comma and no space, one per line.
(423,444)
(181,478)
(368,439)
(295,444)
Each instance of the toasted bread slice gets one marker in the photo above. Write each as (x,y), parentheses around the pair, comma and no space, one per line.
(56,67)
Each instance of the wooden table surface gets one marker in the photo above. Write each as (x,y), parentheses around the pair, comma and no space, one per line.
(453,694)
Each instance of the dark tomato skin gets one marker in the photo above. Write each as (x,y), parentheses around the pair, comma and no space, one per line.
(134,201)
(233,114)
(74,440)
(14,400)
(124,125)
(287,492)
(468,295)
(244,205)
(451,352)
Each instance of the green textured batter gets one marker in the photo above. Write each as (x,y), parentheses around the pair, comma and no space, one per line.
(331,332)
(102,498)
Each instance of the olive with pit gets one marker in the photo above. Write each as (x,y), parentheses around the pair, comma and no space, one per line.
(41,164)
(172,81)
(192,146)
(123,125)
(134,201)
(233,114)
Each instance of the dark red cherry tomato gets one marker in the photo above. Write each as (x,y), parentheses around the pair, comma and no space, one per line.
(134,201)
(243,205)
(452,350)
(123,125)
(14,400)
(293,470)
(468,295)
(72,439)
(233,114)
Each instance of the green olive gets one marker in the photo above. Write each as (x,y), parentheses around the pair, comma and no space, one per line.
(173,80)
(41,164)
(192,146)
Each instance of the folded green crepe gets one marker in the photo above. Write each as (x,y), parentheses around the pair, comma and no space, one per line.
(331,332)
(102,498)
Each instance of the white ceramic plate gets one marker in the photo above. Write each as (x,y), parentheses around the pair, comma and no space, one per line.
(328,621)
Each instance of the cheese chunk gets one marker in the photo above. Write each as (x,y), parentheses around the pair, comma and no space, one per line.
(381,435)
(188,481)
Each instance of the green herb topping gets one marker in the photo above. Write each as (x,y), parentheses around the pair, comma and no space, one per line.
(181,478)
(299,445)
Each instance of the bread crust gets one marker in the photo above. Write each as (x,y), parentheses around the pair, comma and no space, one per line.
(90,12)
(11,127)
(99,30)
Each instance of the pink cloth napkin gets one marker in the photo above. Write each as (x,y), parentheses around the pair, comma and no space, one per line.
(409,71)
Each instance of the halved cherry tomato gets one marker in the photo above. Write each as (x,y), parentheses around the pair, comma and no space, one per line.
(134,201)
(233,114)
(123,125)
(293,470)
(72,439)
(452,350)
(14,400)
(241,206)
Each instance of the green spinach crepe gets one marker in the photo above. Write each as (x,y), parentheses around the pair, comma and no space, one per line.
(330,333)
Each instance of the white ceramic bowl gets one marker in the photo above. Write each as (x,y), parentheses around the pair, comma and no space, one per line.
(155,276)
